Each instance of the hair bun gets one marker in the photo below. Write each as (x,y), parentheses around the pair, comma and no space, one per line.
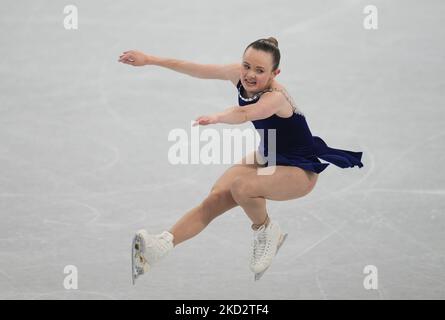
(273,40)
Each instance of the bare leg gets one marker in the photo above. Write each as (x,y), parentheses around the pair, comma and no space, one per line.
(217,202)
(253,206)
(251,191)
(195,220)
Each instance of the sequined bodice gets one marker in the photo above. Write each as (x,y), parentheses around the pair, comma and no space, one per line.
(292,133)
(256,97)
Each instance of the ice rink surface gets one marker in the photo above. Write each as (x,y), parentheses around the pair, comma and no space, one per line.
(83,148)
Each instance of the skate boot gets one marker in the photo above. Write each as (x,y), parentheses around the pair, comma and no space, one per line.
(267,240)
(147,249)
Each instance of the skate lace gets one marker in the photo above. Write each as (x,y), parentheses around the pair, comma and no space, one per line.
(163,243)
(261,244)
(158,246)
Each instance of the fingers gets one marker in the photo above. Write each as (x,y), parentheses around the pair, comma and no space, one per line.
(198,121)
(127,61)
(201,121)
(127,57)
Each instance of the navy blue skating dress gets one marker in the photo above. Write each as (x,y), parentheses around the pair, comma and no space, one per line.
(295,145)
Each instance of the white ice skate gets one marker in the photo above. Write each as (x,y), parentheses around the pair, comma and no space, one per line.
(265,245)
(147,249)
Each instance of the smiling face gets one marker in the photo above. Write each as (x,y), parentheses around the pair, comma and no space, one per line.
(257,67)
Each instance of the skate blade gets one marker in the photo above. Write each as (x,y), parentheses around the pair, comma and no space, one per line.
(133,254)
(260,274)
(138,264)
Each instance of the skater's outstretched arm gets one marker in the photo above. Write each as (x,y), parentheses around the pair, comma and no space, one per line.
(268,105)
(202,71)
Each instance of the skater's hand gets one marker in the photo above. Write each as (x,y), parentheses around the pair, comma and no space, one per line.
(136,58)
(205,120)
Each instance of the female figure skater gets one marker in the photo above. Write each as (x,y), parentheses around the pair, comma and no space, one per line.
(264,102)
